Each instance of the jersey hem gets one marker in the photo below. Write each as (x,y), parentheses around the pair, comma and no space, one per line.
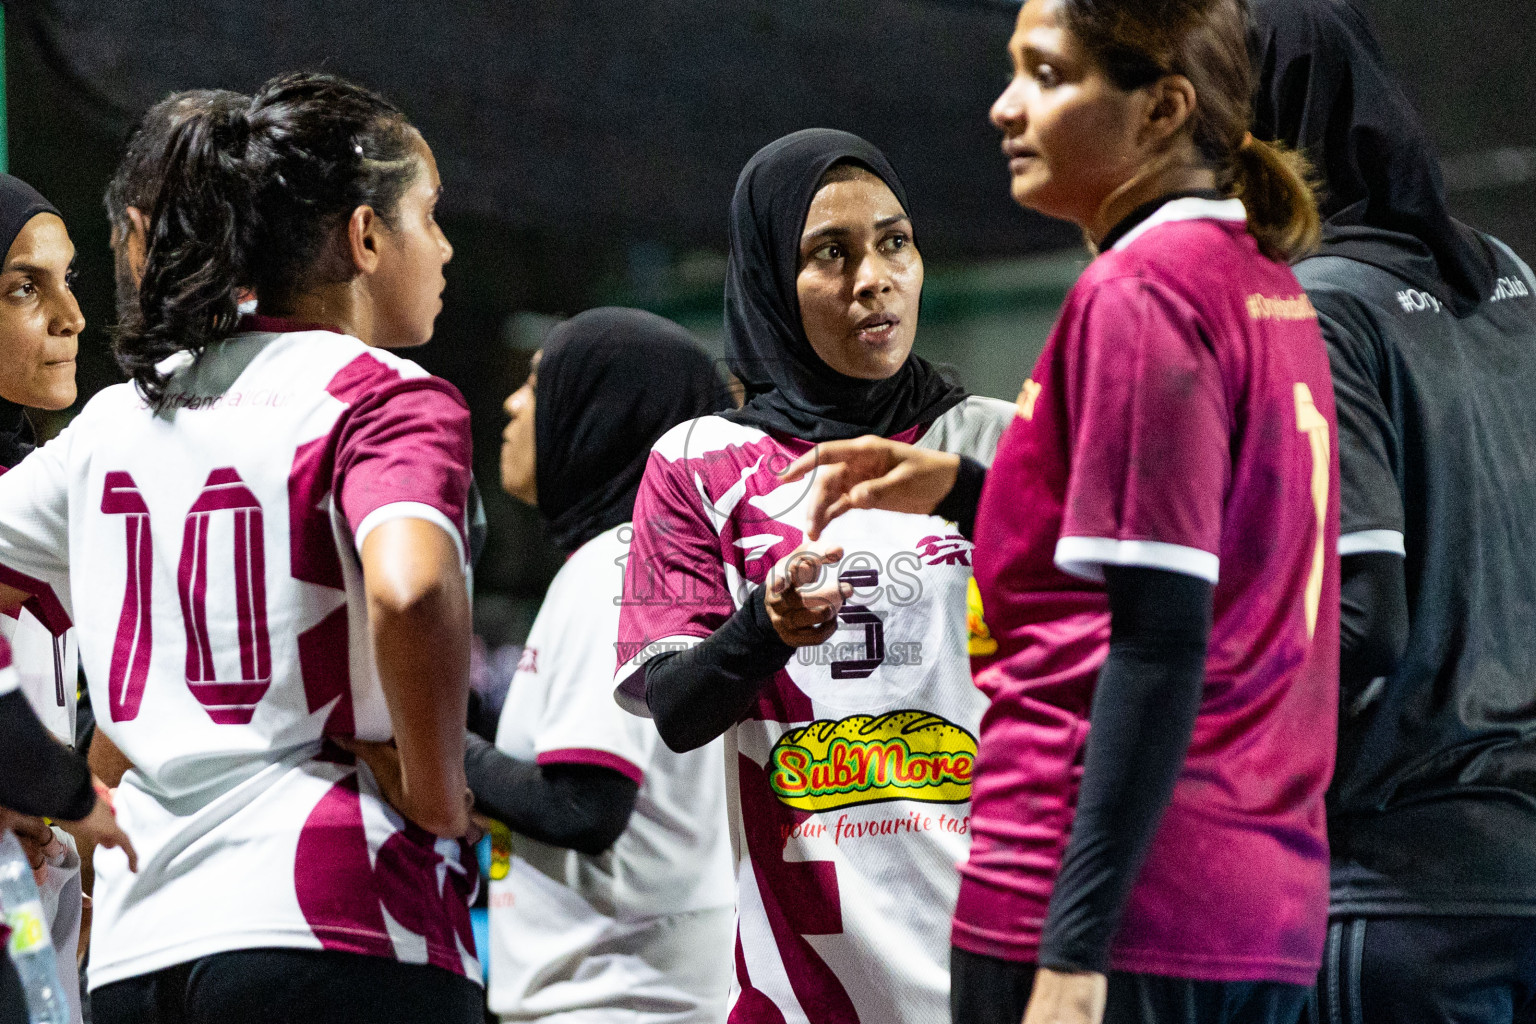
(1085,557)
(593,756)
(1194,966)
(343,941)
(42,602)
(1364,542)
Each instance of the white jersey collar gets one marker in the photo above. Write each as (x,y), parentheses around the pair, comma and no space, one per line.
(1188,208)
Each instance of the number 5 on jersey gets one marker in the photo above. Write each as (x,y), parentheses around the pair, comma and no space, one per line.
(227,701)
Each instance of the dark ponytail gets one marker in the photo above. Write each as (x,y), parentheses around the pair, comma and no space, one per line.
(251,199)
(1137,42)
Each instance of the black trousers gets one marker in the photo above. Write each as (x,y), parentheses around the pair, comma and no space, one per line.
(13,1000)
(291,986)
(986,990)
(1418,970)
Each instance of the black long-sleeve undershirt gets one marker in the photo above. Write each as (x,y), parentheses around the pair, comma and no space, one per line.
(38,774)
(580,807)
(1373,621)
(1143,715)
(697,694)
(964,498)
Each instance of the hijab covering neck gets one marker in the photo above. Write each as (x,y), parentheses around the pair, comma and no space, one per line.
(19,203)
(16,437)
(610,383)
(789,389)
(1324,88)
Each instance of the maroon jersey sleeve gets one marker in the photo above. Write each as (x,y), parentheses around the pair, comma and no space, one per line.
(675,590)
(1148,431)
(404,452)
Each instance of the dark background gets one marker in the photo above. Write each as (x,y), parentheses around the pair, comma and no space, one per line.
(588,150)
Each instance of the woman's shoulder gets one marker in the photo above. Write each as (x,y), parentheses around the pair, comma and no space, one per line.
(696,438)
(972,428)
(110,403)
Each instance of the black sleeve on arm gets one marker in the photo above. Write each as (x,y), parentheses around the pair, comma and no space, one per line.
(582,807)
(38,774)
(1373,621)
(964,498)
(697,694)
(1143,715)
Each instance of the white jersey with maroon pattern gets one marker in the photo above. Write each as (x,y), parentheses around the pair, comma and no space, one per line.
(640,932)
(850,779)
(48,667)
(206,549)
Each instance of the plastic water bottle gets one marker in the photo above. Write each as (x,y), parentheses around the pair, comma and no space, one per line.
(30,947)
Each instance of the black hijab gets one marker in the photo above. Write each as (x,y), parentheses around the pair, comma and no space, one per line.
(610,383)
(789,389)
(19,203)
(1324,88)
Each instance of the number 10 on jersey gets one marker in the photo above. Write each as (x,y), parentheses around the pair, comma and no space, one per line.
(227,701)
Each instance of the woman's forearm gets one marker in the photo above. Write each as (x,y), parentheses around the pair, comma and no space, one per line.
(580,807)
(697,694)
(419,618)
(963,499)
(1144,708)
(39,776)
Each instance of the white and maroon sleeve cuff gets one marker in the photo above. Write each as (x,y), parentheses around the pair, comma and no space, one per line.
(1365,542)
(10,679)
(410,510)
(629,681)
(1085,557)
(600,758)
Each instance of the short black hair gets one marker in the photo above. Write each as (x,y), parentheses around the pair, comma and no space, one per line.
(137,177)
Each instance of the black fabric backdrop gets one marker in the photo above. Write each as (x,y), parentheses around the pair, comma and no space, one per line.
(578,139)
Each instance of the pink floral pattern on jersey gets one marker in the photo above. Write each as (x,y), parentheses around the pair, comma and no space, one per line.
(345,886)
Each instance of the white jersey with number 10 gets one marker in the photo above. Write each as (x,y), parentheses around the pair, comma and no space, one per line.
(206,550)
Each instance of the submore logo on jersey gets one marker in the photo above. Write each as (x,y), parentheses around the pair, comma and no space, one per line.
(903,755)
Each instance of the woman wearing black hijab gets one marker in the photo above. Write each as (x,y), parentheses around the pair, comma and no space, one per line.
(616,900)
(849,761)
(39,325)
(1431,328)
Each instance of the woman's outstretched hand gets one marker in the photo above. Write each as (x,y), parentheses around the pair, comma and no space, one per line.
(803,595)
(872,472)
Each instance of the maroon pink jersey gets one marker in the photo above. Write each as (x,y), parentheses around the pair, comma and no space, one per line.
(849,782)
(209,551)
(1181,418)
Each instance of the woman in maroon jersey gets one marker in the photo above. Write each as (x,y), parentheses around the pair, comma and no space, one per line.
(1155,550)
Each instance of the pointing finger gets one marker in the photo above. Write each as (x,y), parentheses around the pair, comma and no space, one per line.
(801,466)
